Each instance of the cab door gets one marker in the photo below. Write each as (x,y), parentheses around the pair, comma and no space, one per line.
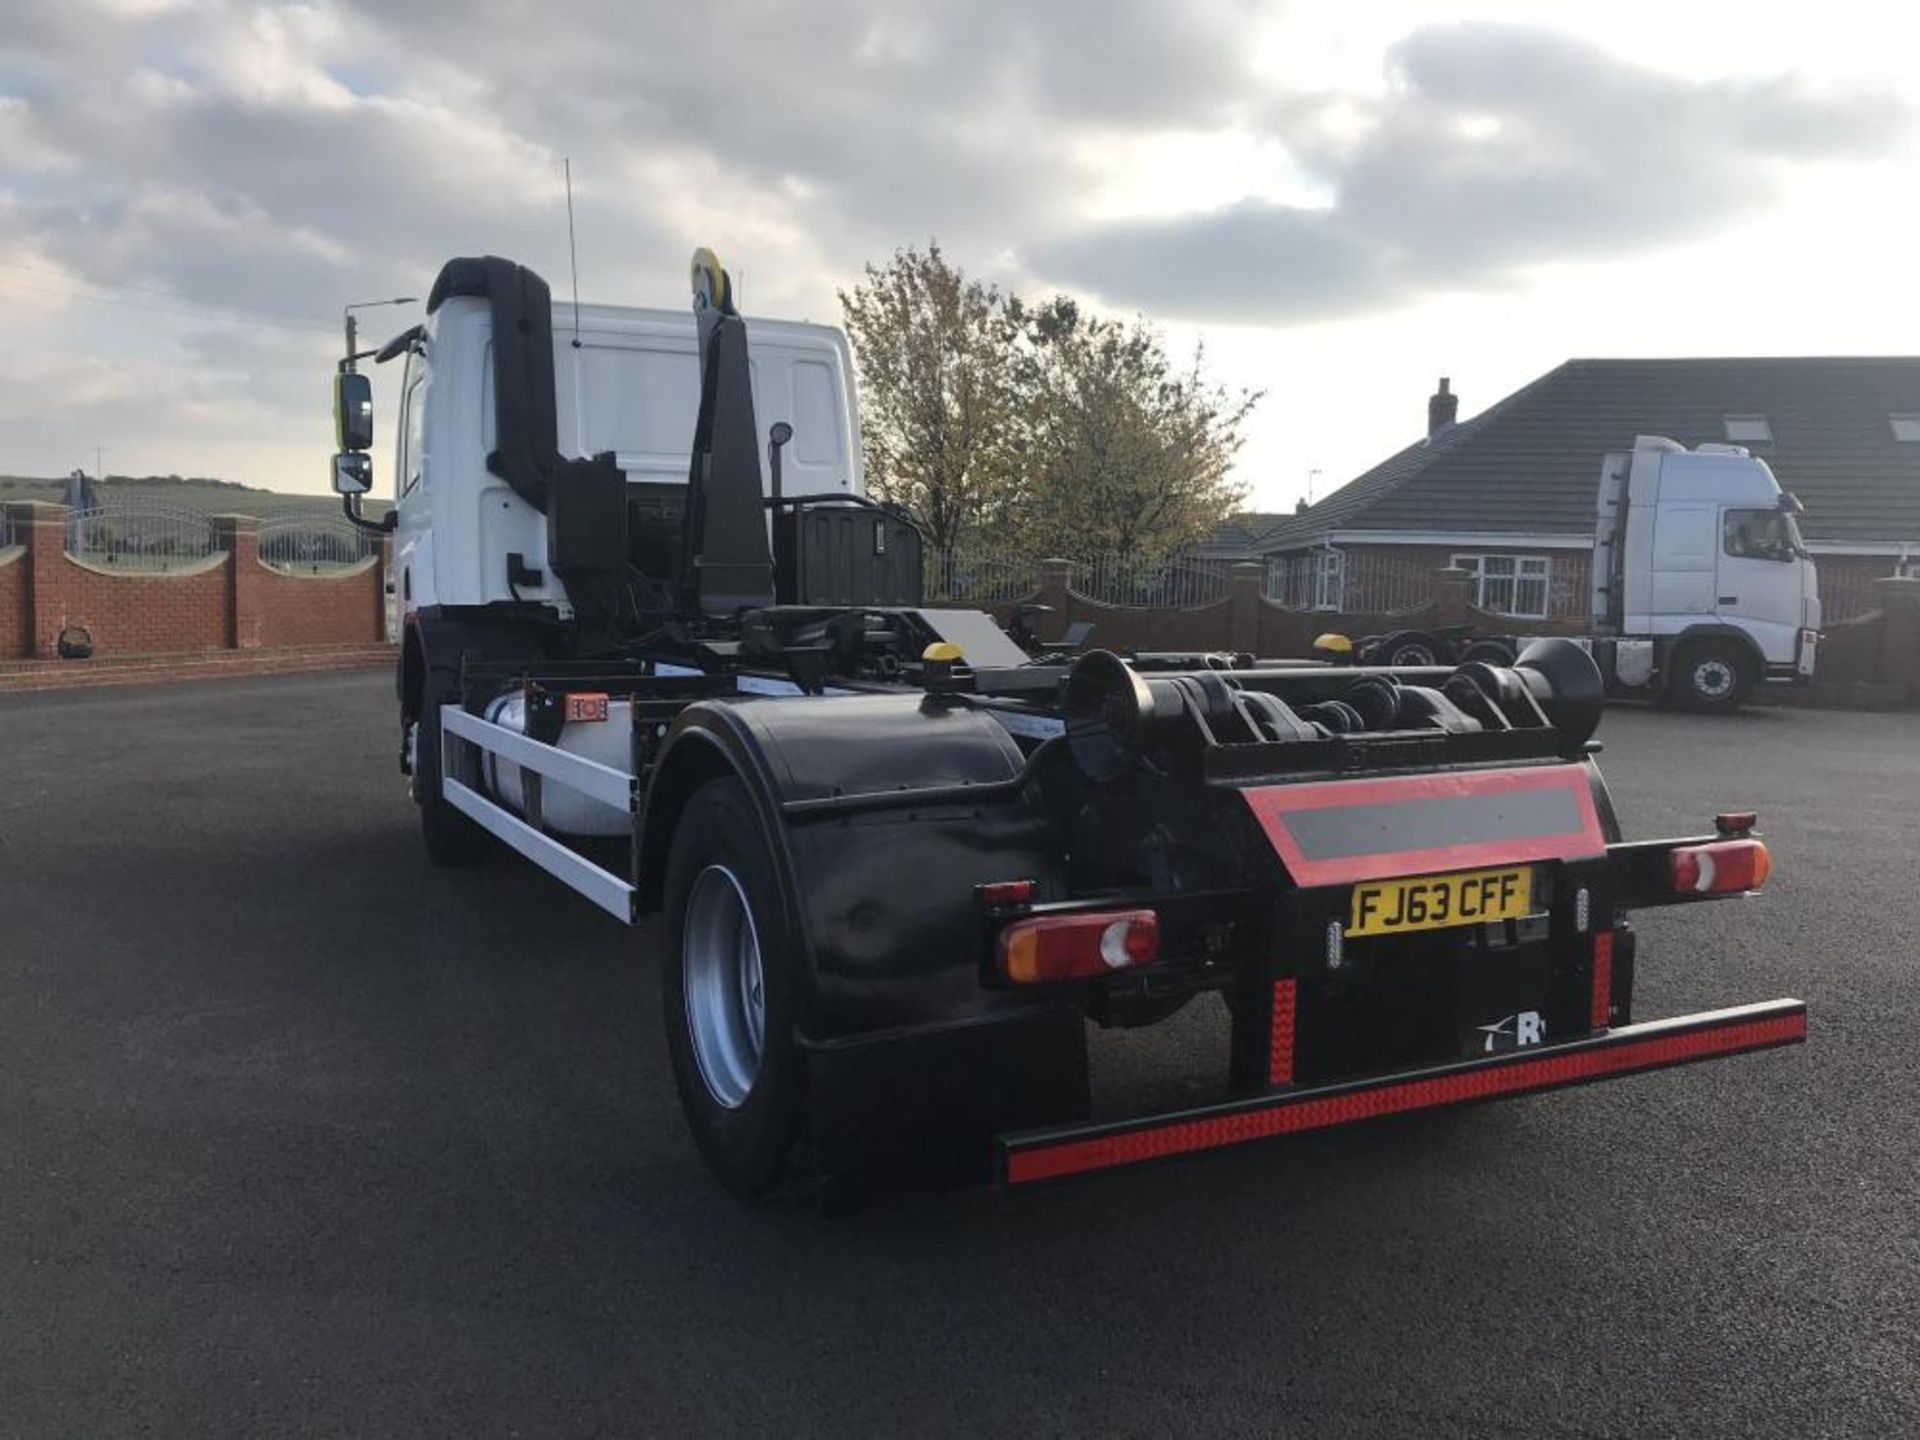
(1683,566)
(1759,583)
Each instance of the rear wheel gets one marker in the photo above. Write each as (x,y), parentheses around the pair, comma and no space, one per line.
(726,983)
(1711,675)
(451,838)
(1410,647)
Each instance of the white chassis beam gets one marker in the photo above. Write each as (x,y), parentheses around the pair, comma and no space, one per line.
(609,786)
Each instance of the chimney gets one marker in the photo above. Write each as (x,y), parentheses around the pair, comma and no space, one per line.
(1442,406)
(1300,506)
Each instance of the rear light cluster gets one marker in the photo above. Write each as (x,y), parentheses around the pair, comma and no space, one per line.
(1075,947)
(1725,867)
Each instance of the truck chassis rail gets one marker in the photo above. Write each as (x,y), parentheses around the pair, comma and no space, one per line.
(1035,1156)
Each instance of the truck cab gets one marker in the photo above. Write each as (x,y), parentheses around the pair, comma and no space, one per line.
(1700,576)
(625,381)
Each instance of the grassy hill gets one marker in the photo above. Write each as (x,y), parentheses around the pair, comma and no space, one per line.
(193,493)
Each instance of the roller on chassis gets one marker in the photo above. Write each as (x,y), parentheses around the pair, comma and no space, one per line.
(901,866)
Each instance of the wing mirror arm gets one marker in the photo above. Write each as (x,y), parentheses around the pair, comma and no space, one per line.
(350,506)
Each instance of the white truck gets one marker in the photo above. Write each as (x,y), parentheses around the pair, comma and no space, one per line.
(1702,586)
(899,865)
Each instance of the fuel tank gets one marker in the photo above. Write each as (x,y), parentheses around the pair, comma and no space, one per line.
(563,810)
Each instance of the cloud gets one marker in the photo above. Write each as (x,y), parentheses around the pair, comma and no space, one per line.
(233,172)
(276,160)
(1491,148)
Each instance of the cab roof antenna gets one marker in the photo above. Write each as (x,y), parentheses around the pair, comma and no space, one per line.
(573,253)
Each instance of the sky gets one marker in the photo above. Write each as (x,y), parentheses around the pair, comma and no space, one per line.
(1341,202)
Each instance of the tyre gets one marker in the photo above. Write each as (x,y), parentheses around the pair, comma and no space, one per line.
(726,990)
(452,839)
(1489,652)
(1713,676)
(1409,647)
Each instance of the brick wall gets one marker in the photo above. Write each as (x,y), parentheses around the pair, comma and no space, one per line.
(135,614)
(231,601)
(1568,584)
(1846,581)
(320,609)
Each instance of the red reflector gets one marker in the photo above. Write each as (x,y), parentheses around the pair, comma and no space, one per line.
(585,707)
(1307,1111)
(1722,868)
(1073,947)
(1602,1011)
(1002,893)
(1280,1053)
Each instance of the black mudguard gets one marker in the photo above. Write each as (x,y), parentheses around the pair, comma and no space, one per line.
(913,1060)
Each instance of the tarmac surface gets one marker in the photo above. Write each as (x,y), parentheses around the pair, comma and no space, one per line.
(299,1136)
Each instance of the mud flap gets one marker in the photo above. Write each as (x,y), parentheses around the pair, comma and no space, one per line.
(923,1106)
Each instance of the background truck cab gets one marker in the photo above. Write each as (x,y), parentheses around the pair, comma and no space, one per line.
(1702,587)
(1698,551)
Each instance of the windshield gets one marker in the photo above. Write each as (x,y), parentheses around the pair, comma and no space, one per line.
(1761,535)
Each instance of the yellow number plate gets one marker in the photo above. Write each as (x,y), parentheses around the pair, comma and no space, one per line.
(1428,902)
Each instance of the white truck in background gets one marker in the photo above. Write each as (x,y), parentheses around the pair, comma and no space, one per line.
(1702,587)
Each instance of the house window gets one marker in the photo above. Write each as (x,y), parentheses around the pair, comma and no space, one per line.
(1509,584)
(1749,427)
(1279,575)
(1906,427)
(1330,573)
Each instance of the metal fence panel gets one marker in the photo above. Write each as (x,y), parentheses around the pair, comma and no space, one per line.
(1172,582)
(969,578)
(309,544)
(142,538)
(1846,593)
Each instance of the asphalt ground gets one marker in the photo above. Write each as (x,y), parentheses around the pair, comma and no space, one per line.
(301,1137)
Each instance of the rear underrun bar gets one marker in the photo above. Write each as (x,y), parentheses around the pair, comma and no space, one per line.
(1040,1155)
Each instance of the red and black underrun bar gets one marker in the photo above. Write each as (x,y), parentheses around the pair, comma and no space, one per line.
(1042,1155)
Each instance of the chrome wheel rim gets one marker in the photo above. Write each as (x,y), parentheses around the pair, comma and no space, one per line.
(725,986)
(1713,679)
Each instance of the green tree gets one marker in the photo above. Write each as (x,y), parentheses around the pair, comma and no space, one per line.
(1126,454)
(941,405)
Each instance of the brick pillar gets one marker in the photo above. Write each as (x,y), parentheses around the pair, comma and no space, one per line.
(1056,576)
(42,527)
(1243,593)
(1453,594)
(239,536)
(1899,601)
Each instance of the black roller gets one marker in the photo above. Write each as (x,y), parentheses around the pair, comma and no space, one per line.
(1567,685)
(1107,707)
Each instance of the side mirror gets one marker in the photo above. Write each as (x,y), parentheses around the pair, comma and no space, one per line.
(352,473)
(352,411)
